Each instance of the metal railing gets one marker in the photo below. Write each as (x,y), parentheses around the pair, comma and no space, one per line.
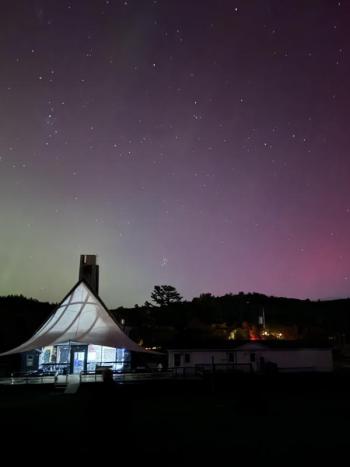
(302,369)
(127,374)
(202,369)
(24,378)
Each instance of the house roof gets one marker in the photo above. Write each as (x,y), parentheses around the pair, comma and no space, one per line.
(80,317)
(248,345)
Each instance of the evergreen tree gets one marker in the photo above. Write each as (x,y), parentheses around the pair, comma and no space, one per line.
(164,295)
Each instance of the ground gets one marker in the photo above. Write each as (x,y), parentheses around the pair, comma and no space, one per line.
(253,418)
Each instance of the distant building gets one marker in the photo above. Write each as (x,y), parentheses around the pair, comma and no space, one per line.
(282,356)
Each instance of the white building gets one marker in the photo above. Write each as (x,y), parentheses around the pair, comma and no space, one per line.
(80,335)
(283,356)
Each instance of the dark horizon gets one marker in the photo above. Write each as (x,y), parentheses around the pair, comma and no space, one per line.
(114,307)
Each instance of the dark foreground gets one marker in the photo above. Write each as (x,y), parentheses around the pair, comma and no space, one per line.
(242,418)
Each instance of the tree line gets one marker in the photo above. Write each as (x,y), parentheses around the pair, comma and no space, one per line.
(168,318)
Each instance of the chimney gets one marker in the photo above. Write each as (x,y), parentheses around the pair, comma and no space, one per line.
(89,271)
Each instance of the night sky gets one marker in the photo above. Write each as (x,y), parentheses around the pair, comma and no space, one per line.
(198,143)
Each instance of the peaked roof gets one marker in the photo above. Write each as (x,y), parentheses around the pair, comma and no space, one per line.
(80,317)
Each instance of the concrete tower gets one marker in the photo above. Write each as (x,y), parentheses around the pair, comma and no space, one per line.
(89,271)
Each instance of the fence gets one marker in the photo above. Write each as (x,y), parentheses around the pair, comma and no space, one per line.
(201,369)
(198,371)
(23,378)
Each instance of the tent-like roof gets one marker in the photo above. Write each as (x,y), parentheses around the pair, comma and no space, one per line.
(81,317)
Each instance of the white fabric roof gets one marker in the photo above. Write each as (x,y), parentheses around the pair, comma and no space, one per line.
(81,317)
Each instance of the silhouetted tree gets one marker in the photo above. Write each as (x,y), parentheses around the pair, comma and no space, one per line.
(164,295)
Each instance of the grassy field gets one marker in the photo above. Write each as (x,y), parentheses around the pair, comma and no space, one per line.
(222,420)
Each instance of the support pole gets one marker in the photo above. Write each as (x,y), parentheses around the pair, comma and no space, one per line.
(69,357)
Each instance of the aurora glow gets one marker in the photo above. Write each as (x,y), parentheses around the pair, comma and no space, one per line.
(202,144)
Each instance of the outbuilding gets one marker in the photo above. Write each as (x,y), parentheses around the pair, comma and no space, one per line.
(252,356)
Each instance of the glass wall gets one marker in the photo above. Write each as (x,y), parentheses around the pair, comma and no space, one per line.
(99,355)
(56,358)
